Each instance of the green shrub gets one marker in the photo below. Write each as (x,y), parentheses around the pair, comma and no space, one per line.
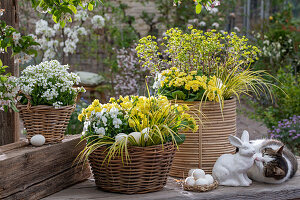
(75,126)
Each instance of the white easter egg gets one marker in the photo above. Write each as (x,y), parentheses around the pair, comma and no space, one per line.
(190,181)
(191,172)
(145,132)
(209,178)
(120,137)
(37,140)
(198,173)
(201,181)
(136,136)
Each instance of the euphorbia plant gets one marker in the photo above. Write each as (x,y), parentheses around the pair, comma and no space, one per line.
(202,65)
(133,121)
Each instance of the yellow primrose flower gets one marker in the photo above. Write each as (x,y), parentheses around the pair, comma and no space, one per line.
(95,103)
(80,117)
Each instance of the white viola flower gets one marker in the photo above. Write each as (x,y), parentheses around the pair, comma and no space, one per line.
(202,23)
(98,21)
(104,120)
(100,131)
(216,25)
(114,112)
(86,125)
(117,122)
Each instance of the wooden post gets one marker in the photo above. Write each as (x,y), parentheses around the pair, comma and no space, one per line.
(9,122)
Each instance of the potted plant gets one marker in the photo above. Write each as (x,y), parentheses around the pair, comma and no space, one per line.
(131,142)
(207,71)
(47,99)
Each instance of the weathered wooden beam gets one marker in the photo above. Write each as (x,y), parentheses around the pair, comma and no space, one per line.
(34,172)
(9,121)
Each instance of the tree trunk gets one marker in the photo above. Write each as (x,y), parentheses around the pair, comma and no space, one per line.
(9,121)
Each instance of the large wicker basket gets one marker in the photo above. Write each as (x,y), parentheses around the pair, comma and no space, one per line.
(147,170)
(202,148)
(46,120)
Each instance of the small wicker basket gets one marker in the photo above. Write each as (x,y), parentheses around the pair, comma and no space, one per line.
(46,120)
(147,170)
(199,188)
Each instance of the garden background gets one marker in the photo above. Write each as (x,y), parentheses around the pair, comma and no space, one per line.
(103,42)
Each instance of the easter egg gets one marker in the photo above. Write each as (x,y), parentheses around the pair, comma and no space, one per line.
(209,178)
(37,140)
(191,172)
(201,182)
(120,137)
(136,136)
(190,181)
(198,173)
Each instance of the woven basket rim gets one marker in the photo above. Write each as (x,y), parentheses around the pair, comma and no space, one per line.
(137,147)
(45,106)
(198,101)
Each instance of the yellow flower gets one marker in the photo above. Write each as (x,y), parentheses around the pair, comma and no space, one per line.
(80,117)
(270,18)
(131,123)
(95,103)
(193,73)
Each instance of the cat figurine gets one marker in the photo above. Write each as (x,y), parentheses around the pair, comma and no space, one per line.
(273,163)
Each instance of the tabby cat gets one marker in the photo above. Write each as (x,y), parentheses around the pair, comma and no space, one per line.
(273,163)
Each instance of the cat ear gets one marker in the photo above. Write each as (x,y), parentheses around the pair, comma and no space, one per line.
(279,172)
(245,136)
(235,141)
(279,151)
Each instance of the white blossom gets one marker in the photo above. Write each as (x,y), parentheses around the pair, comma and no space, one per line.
(98,21)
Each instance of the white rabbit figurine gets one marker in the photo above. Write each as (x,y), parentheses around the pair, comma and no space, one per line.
(231,169)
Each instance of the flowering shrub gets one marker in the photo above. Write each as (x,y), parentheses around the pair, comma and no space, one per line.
(288,131)
(48,83)
(130,76)
(138,121)
(8,91)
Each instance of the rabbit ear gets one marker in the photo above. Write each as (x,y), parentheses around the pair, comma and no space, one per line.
(245,136)
(235,141)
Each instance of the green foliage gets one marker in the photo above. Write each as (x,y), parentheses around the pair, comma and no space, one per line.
(62,11)
(75,126)
(287,100)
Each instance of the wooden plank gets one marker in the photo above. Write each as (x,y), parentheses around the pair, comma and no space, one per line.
(28,167)
(9,121)
(257,191)
(53,184)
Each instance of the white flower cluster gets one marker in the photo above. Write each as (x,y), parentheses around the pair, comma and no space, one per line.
(8,91)
(81,15)
(100,121)
(98,21)
(275,50)
(49,37)
(48,80)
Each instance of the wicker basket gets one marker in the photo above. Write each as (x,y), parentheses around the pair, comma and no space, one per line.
(46,120)
(201,149)
(200,188)
(147,170)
